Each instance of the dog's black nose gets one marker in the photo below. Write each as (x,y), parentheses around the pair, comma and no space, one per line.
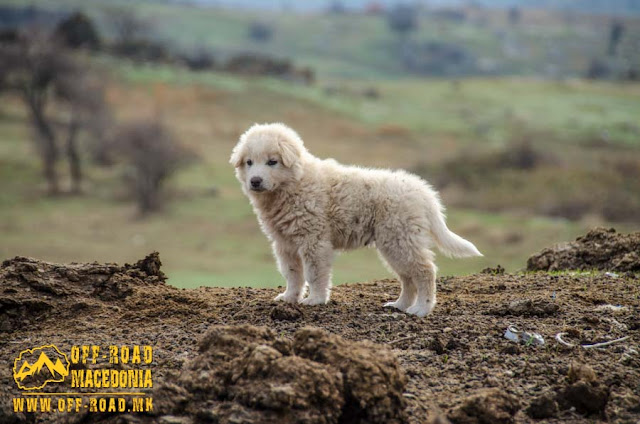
(256,182)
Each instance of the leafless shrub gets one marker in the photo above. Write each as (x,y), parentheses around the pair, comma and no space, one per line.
(616,31)
(42,72)
(473,168)
(521,155)
(78,30)
(260,31)
(32,65)
(402,19)
(86,112)
(153,154)
(514,15)
(598,69)
(200,59)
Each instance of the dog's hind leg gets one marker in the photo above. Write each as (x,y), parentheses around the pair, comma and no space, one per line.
(423,274)
(407,294)
(290,265)
(408,291)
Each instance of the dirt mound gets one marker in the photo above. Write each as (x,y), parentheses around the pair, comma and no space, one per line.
(32,289)
(214,360)
(247,374)
(601,249)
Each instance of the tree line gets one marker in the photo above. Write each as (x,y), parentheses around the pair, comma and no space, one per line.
(64,96)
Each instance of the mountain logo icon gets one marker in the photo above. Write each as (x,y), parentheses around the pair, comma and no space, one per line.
(36,367)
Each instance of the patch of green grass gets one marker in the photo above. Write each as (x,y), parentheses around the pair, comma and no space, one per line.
(137,73)
(488,109)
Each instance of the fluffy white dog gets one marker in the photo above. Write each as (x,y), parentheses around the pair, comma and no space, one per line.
(309,207)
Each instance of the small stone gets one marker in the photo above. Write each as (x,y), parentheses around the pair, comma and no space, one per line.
(437,346)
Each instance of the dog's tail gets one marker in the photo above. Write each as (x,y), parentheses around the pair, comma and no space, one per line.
(449,243)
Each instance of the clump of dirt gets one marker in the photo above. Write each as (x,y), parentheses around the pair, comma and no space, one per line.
(587,398)
(584,391)
(373,380)
(544,406)
(600,249)
(286,312)
(247,374)
(487,407)
(498,270)
(581,372)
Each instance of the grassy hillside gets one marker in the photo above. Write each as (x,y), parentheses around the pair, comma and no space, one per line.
(363,47)
(207,234)
(364,109)
(479,110)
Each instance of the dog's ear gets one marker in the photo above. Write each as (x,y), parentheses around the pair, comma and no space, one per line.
(289,152)
(237,154)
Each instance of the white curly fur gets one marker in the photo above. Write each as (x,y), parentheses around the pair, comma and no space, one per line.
(309,207)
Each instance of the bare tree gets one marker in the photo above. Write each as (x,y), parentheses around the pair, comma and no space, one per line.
(78,30)
(41,71)
(403,19)
(260,31)
(32,65)
(616,31)
(154,155)
(514,15)
(87,112)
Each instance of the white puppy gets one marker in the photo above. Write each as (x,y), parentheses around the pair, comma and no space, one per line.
(309,207)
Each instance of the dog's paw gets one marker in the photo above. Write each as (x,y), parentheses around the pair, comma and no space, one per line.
(287,297)
(395,305)
(420,310)
(313,300)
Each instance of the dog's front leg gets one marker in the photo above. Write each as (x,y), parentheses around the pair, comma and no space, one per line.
(317,258)
(290,266)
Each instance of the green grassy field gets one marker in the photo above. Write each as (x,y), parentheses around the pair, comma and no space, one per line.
(207,234)
(486,110)
(208,239)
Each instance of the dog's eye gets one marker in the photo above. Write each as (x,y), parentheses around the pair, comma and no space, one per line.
(249,162)
(272,162)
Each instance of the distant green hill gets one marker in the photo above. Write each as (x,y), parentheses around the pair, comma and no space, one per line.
(583,6)
(479,41)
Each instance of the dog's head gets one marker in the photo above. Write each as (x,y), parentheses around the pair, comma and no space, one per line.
(267,157)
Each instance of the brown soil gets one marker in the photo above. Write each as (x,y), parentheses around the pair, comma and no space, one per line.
(235,356)
(601,249)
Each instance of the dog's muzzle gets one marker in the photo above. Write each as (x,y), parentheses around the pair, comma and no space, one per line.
(256,184)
